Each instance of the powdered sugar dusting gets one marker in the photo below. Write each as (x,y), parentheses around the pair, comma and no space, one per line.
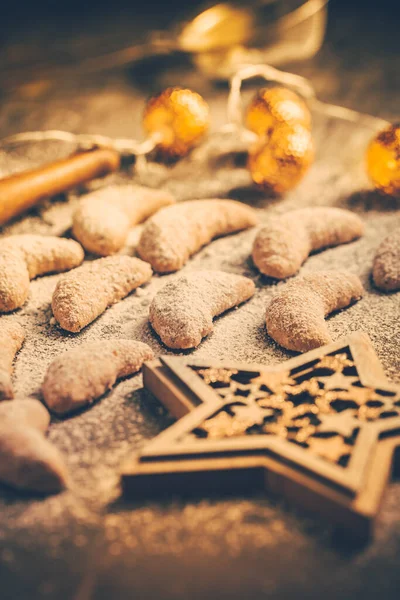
(12,337)
(177,232)
(295,315)
(183,310)
(85,293)
(104,217)
(79,377)
(24,257)
(386,269)
(282,245)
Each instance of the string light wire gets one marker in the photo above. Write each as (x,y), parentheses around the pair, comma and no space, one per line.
(301,85)
(141,149)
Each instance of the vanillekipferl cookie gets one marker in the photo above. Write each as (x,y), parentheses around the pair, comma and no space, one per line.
(28,461)
(182,311)
(285,242)
(12,337)
(85,293)
(24,257)
(386,268)
(77,378)
(175,233)
(102,221)
(295,316)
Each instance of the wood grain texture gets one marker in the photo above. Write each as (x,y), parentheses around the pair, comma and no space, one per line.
(22,191)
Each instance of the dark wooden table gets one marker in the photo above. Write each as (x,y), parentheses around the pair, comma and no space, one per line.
(89,544)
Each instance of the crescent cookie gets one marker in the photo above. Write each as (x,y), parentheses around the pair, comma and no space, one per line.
(24,257)
(182,311)
(386,269)
(28,461)
(26,411)
(285,242)
(295,316)
(85,293)
(103,219)
(78,377)
(175,233)
(12,337)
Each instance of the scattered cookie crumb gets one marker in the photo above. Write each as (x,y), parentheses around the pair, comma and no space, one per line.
(140,292)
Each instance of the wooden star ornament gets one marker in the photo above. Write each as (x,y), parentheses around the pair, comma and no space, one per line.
(282,429)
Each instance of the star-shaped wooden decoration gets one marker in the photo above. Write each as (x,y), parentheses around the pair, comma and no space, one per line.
(281,429)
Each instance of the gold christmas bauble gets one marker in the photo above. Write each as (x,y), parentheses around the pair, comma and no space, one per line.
(273,106)
(277,163)
(180,116)
(383,160)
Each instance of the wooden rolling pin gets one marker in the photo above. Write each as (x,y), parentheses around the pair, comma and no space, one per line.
(21,191)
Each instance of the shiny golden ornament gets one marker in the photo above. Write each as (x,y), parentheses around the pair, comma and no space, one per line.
(273,106)
(383,160)
(279,162)
(181,117)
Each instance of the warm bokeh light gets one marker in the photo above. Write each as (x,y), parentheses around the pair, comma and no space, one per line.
(181,117)
(278,163)
(383,160)
(220,26)
(272,106)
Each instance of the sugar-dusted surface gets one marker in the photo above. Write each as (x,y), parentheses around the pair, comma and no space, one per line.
(79,377)
(103,219)
(27,411)
(28,461)
(175,233)
(182,311)
(24,257)
(295,316)
(12,337)
(84,294)
(284,243)
(84,541)
(386,268)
